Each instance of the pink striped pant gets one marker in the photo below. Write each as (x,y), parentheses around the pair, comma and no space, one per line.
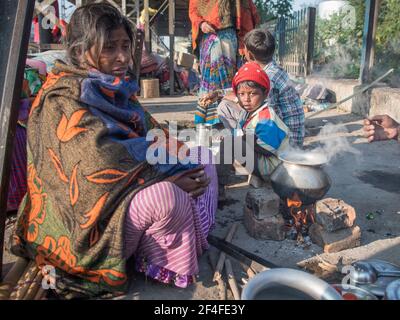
(166,229)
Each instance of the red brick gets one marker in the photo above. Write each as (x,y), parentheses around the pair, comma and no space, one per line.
(335,241)
(263,202)
(334,214)
(268,228)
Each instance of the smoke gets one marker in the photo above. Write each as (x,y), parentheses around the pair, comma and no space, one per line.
(338,49)
(340,65)
(334,142)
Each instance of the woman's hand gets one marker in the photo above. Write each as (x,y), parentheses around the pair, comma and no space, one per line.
(381,127)
(206,27)
(194,182)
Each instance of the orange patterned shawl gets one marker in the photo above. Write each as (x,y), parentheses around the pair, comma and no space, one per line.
(81,177)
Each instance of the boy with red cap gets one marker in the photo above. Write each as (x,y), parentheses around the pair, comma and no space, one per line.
(251,86)
(283,98)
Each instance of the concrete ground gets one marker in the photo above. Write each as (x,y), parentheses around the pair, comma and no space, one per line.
(369,181)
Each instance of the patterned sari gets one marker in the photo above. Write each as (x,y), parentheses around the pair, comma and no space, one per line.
(217,68)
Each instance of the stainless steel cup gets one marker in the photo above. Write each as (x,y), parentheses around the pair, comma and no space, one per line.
(204,135)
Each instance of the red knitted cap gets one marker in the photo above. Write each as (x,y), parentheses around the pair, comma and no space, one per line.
(251,71)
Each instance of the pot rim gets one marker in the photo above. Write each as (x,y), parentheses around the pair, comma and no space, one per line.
(283,157)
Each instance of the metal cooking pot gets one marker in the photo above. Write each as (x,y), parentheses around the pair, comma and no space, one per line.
(301,173)
(295,284)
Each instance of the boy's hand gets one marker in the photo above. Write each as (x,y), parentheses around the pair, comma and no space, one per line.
(380,127)
(206,28)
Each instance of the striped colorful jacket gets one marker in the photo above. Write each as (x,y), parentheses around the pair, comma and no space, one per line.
(271,134)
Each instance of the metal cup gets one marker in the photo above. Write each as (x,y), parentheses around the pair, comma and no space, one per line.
(204,136)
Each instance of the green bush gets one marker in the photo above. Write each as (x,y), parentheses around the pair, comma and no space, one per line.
(338,48)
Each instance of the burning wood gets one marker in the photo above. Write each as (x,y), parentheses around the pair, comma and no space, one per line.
(303,217)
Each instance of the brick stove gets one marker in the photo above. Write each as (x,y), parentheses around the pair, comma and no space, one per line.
(329,222)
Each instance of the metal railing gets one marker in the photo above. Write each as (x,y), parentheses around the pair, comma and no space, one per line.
(295,42)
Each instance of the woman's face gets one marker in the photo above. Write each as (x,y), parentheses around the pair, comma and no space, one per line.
(250,98)
(116,54)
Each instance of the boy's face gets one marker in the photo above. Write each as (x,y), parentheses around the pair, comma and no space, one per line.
(250,99)
(116,54)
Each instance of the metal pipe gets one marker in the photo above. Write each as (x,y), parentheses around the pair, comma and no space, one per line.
(300,280)
(160,10)
(171,31)
(240,254)
(147,36)
(123,5)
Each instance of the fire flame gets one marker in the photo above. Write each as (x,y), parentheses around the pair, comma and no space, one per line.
(300,216)
(295,202)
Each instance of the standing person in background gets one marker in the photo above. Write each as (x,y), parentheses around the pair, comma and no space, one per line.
(218,28)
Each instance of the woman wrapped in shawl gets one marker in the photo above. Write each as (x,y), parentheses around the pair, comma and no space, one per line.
(93,198)
(218,29)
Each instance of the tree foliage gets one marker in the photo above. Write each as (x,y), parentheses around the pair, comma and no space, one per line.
(340,48)
(271,9)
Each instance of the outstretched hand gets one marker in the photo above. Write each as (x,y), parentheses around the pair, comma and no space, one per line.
(381,127)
